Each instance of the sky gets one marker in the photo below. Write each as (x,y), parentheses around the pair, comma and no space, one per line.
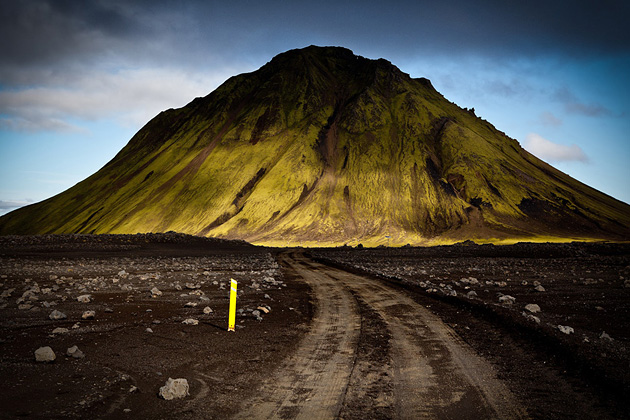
(79,78)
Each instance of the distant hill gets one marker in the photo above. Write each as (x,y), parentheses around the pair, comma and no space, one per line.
(320,146)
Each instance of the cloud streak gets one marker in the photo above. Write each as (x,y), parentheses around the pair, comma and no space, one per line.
(548,150)
(133,96)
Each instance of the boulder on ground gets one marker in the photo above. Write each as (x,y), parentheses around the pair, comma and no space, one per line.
(84,298)
(532,307)
(45,354)
(174,388)
(75,353)
(88,315)
(190,321)
(565,329)
(56,315)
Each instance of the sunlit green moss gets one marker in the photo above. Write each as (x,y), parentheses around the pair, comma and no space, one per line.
(320,148)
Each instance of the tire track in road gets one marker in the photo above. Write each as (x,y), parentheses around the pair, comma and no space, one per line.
(433,373)
(311,384)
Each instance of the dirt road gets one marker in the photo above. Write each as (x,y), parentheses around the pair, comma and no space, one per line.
(373,352)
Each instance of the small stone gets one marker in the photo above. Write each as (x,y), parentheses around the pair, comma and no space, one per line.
(539,288)
(109,310)
(507,299)
(45,354)
(267,297)
(532,307)
(190,304)
(174,388)
(60,330)
(471,294)
(133,389)
(149,330)
(84,298)
(25,306)
(155,292)
(56,315)
(88,315)
(127,410)
(192,286)
(190,321)
(75,352)
(207,310)
(605,336)
(565,329)
(531,317)
(76,326)
(264,309)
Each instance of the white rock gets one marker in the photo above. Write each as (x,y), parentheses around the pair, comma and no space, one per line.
(539,288)
(174,388)
(531,317)
(190,321)
(56,315)
(155,292)
(605,336)
(532,307)
(149,330)
(190,304)
(45,354)
(565,329)
(507,299)
(207,310)
(88,315)
(84,298)
(75,352)
(60,330)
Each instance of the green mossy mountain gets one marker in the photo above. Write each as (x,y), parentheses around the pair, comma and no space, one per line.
(320,146)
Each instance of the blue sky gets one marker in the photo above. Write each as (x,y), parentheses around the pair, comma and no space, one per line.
(78,79)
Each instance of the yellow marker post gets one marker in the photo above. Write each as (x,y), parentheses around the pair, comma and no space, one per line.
(232,315)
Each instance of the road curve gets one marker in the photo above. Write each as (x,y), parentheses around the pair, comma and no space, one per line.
(432,373)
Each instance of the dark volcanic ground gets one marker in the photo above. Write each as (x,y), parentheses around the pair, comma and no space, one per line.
(584,374)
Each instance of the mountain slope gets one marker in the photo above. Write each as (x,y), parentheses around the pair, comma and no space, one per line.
(322,146)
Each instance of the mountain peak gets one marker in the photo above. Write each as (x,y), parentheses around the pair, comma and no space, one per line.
(324,147)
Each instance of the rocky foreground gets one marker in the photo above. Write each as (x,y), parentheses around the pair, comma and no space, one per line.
(112,325)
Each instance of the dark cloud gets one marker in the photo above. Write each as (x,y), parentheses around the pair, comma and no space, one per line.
(574,106)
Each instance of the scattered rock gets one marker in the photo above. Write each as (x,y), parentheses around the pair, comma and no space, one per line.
(565,329)
(532,307)
(60,330)
(25,306)
(539,288)
(149,330)
(45,354)
(88,315)
(190,304)
(605,336)
(174,388)
(190,321)
(109,310)
(84,298)
(471,294)
(155,292)
(57,315)
(207,310)
(531,317)
(74,352)
(192,286)
(507,299)
(469,280)
(264,309)
(133,389)
(256,314)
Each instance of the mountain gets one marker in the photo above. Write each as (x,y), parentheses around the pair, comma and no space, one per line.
(320,146)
